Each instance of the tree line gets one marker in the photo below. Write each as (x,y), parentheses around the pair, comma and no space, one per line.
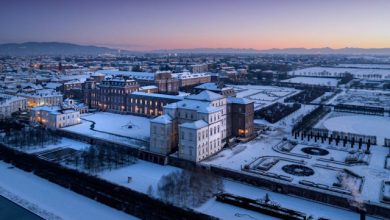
(188,188)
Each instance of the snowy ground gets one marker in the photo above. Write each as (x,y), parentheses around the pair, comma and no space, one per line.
(50,200)
(287,122)
(245,153)
(263,95)
(378,126)
(313,81)
(64,143)
(363,73)
(115,127)
(363,98)
(145,174)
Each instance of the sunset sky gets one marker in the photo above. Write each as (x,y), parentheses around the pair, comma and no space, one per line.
(169,24)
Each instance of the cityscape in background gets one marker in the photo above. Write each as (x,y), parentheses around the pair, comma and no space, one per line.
(107,113)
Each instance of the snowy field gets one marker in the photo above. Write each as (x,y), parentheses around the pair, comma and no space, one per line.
(287,122)
(145,174)
(378,126)
(313,81)
(115,127)
(362,73)
(49,200)
(246,153)
(125,125)
(363,98)
(263,95)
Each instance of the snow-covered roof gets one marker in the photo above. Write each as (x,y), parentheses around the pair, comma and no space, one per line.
(46,108)
(194,125)
(236,100)
(199,106)
(6,99)
(188,75)
(158,95)
(52,85)
(135,75)
(148,87)
(30,85)
(55,110)
(206,96)
(211,86)
(162,119)
(41,93)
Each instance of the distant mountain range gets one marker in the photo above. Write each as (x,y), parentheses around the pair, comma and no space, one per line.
(325,50)
(51,49)
(57,48)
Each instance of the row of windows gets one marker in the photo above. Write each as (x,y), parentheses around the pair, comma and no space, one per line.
(150,102)
(213,145)
(64,117)
(191,116)
(202,134)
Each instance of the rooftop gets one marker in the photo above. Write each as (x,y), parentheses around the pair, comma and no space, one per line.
(235,100)
(162,119)
(206,96)
(212,87)
(194,125)
(135,75)
(158,95)
(199,106)
(55,110)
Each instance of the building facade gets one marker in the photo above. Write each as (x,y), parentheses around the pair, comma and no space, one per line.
(148,104)
(10,104)
(164,80)
(200,125)
(108,95)
(187,79)
(54,116)
(42,97)
(199,68)
(240,117)
(164,132)
(197,125)
(217,88)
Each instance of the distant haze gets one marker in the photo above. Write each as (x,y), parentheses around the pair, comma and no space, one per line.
(58,48)
(172,24)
